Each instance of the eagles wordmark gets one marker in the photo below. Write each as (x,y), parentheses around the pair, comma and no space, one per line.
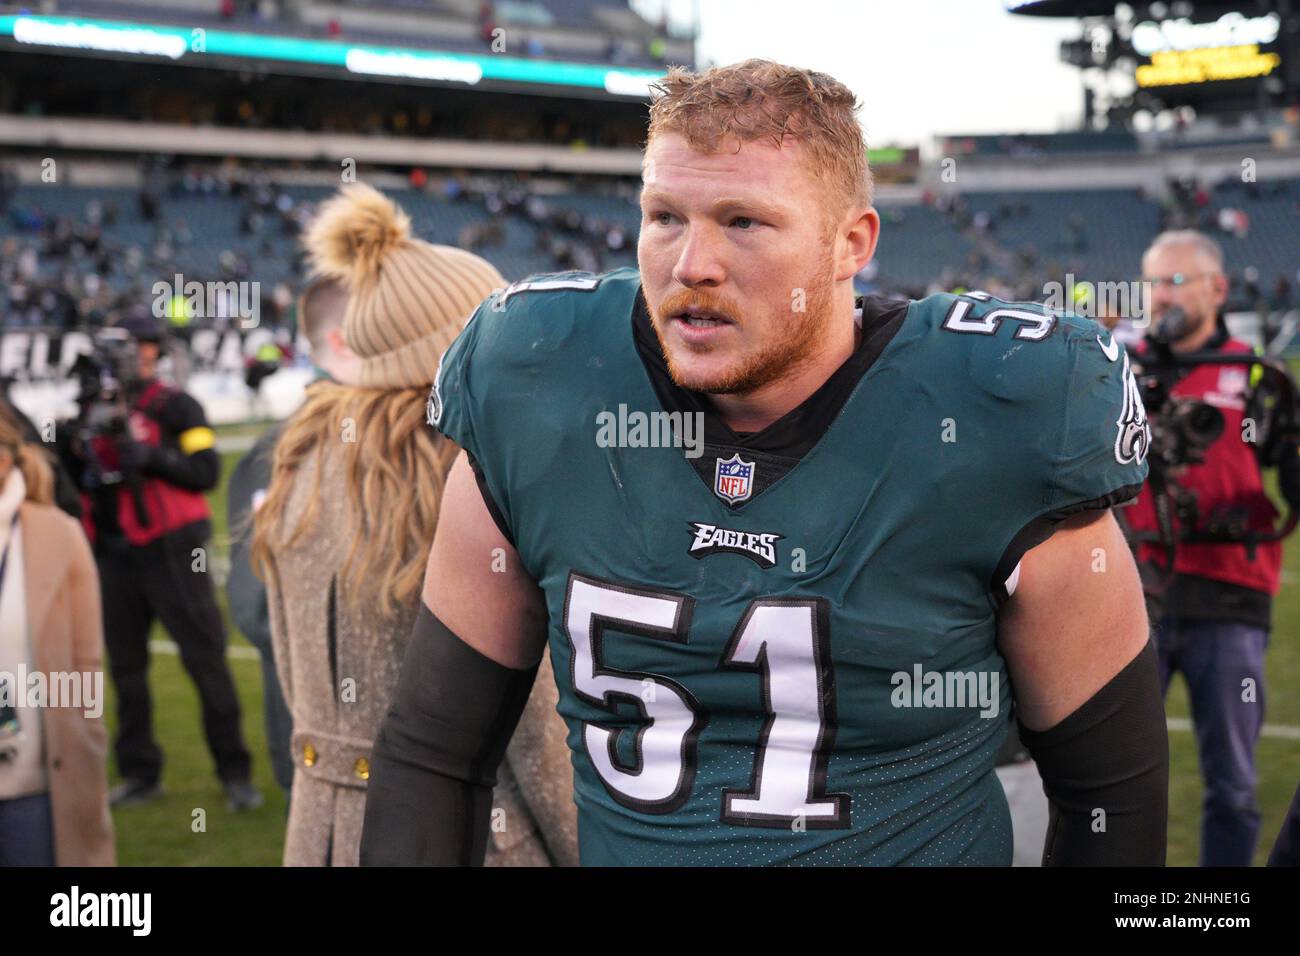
(758,546)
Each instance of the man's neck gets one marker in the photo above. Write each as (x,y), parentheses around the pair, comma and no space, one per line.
(752,412)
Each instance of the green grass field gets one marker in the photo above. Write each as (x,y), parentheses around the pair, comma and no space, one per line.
(163,833)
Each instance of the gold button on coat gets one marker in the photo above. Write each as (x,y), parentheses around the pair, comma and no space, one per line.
(309,755)
(363,768)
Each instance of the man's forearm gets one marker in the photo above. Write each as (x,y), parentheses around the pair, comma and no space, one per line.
(435,757)
(1105,770)
(417,817)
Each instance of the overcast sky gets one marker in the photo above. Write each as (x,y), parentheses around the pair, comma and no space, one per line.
(921,67)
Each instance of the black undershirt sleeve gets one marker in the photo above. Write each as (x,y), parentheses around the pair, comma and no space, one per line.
(1105,770)
(200,471)
(435,758)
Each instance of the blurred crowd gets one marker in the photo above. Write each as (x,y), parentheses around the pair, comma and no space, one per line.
(88,267)
(1020,271)
(76,269)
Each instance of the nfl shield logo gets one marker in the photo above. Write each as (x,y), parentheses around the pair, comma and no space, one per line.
(733,479)
(1233,381)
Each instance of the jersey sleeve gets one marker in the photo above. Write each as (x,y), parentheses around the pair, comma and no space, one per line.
(453,397)
(455,405)
(1096,456)
(1101,460)
(488,380)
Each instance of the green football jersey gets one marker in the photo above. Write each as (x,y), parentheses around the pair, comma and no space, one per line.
(786,655)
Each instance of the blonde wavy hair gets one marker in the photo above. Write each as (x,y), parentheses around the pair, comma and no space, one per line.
(394,475)
(762,99)
(32,460)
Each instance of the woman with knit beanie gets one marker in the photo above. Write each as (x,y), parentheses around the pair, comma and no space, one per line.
(343,533)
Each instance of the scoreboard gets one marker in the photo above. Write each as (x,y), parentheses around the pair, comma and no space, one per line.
(1212,55)
(1225,63)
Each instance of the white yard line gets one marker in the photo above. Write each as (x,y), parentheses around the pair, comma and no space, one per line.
(231,443)
(1282,731)
(239,652)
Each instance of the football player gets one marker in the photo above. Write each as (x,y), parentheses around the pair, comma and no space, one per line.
(804,644)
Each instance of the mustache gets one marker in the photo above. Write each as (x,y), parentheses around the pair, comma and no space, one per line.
(701,299)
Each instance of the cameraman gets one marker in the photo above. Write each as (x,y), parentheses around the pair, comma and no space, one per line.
(144,457)
(1212,621)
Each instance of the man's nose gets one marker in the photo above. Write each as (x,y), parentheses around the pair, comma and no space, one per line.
(698,263)
(1163,295)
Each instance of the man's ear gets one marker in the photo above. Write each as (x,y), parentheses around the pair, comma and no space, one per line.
(337,343)
(859,242)
(1220,283)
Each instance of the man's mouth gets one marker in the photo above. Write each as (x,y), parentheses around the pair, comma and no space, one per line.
(701,318)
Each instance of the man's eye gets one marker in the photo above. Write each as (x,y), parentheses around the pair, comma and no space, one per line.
(660,217)
(743,221)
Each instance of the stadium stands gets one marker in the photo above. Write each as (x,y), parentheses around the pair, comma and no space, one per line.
(206,230)
(1012,242)
(1041,144)
(1270,242)
(1095,233)
(917,243)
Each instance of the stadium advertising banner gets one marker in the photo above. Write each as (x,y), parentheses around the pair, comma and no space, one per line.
(36,372)
(40,354)
(891,164)
(198,44)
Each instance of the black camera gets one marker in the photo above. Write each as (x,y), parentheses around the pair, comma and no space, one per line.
(1184,429)
(105,381)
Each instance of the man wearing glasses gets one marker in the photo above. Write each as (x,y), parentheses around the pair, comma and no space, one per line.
(1213,620)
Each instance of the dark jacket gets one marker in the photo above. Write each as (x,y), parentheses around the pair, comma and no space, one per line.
(246,594)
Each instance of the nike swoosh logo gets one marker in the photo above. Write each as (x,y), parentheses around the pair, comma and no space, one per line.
(1111,351)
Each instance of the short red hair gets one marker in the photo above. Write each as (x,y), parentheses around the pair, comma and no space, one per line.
(760,99)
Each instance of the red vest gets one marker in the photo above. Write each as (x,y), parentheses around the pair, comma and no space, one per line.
(1229,477)
(168,507)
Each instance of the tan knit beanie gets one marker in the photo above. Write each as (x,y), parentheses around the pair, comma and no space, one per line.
(407,298)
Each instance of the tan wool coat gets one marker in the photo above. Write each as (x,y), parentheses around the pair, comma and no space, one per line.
(337,705)
(67,636)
